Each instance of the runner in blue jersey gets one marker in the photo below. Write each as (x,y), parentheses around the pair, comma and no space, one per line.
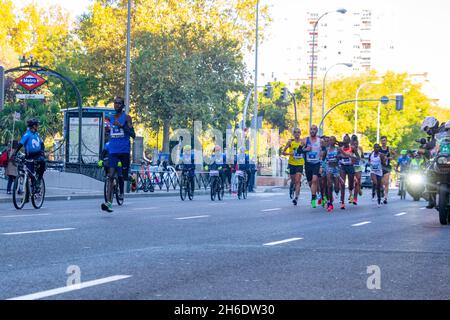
(119,149)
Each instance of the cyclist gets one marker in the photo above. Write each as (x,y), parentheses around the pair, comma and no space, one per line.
(188,165)
(217,163)
(294,149)
(376,162)
(417,162)
(332,171)
(389,154)
(119,150)
(347,155)
(34,150)
(358,165)
(313,152)
(403,163)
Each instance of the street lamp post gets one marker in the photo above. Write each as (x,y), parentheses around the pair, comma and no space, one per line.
(323,93)
(255,111)
(379,112)
(127,76)
(356,101)
(311,94)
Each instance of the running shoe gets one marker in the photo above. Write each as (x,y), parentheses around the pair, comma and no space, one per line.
(350,199)
(295,201)
(107,206)
(325,201)
(355,201)
(329,207)
(360,192)
(342,206)
(379,203)
(319,201)
(313,203)
(385,201)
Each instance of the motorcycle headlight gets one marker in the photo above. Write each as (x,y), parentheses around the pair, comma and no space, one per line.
(416,179)
(442,160)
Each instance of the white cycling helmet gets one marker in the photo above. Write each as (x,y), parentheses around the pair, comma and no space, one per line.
(428,123)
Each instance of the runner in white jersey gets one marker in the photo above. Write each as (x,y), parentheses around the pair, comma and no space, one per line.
(377,160)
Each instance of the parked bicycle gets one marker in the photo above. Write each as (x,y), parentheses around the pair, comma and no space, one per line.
(187,183)
(242,184)
(217,187)
(25,186)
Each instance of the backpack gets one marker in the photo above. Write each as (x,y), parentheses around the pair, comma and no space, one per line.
(4,159)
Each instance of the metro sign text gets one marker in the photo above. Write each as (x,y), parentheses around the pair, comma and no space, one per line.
(30,80)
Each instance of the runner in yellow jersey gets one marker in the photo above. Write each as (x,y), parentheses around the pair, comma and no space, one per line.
(294,149)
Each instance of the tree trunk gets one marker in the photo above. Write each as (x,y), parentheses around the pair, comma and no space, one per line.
(166,135)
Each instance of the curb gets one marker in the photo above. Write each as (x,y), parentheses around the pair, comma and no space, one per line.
(158,194)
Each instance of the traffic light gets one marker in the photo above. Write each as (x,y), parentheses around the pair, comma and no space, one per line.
(268,91)
(284,93)
(399,102)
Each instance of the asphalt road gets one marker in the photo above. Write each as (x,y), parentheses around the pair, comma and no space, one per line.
(259,248)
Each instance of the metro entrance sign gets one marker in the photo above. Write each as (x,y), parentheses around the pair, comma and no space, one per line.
(30,81)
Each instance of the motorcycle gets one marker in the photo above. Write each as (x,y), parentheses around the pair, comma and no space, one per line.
(415,183)
(439,176)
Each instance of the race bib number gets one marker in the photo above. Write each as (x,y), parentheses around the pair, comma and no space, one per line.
(375,167)
(117,132)
(312,155)
(297,155)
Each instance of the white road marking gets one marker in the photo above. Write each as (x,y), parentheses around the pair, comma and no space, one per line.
(148,208)
(193,217)
(53,292)
(26,215)
(401,214)
(282,241)
(424,208)
(273,209)
(36,231)
(361,223)
(266,200)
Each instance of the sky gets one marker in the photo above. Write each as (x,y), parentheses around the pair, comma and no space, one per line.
(417,29)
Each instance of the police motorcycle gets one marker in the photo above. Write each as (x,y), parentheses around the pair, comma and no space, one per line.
(415,178)
(437,149)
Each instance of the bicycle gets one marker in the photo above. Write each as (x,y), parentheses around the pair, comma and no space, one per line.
(116,189)
(217,185)
(187,184)
(22,189)
(242,184)
(402,185)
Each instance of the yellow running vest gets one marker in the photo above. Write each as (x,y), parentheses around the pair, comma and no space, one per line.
(296,159)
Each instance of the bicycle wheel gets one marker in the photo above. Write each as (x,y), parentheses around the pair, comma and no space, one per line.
(190,189)
(213,188)
(116,191)
(183,188)
(37,199)
(20,192)
(221,191)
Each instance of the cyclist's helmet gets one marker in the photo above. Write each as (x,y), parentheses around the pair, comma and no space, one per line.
(429,123)
(32,122)
(403,152)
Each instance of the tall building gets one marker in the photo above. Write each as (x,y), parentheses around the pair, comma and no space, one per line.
(339,38)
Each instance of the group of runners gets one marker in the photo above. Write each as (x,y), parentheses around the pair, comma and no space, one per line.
(328,164)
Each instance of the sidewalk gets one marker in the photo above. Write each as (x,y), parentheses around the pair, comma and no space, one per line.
(54,194)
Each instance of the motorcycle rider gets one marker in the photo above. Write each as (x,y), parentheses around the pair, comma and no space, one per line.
(430,126)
